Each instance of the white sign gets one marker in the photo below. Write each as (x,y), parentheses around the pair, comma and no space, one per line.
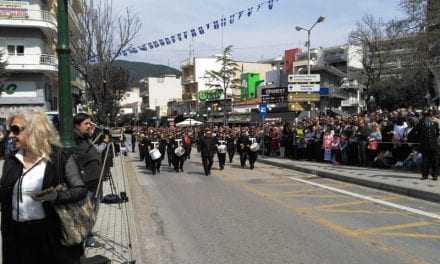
(304,78)
(304,87)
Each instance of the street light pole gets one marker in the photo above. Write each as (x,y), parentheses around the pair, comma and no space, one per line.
(309,32)
(64,85)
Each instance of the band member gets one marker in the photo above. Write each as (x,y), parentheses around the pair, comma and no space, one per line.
(243,144)
(147,143)
(179,155)
(230,144)
(141,146)
(253,150)
(155,156)
(187,145)
(221,151)
(170,149)
(208,149)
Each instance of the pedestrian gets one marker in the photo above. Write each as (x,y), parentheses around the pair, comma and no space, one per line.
(89,162)
(30,227)
(243,143)
(208,149)
(221,150)
(428,132)
(187,145)
(133,141)
(230,144)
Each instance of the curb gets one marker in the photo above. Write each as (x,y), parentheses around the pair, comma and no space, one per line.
(424,195)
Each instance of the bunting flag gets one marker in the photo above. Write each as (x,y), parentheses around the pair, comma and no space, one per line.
(199,30)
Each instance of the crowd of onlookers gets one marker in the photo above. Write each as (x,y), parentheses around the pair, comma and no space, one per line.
(382,139)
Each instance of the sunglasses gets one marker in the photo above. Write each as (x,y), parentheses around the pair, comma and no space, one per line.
(16,130)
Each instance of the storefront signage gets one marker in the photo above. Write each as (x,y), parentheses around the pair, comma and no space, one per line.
(211,95)
(303,97)
(13,9)
(304,87)
(274,95)
(8,88)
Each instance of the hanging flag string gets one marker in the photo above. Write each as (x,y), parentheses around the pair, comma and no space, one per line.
(200,30)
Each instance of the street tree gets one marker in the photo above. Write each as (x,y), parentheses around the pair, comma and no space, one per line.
(103,39)
(226,77)
(369,34)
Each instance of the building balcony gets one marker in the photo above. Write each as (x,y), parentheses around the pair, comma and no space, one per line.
(350,102)
(36,62)
(29,19)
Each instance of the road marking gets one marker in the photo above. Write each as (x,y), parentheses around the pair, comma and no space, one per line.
(331,206)
(382,229)
(371,199)
(346,211)
(413,235)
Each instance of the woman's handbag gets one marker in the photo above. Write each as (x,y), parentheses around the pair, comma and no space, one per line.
(77,219)
(373,145)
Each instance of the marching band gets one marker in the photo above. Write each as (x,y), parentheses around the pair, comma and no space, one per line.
(176,145)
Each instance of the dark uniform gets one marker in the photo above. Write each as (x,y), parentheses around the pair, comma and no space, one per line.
(208,149)
(221,156)
(141,146)
(428,132)
(230,145)
(178,161)
(252,157)
(154,164)
(170,151)
(243,144)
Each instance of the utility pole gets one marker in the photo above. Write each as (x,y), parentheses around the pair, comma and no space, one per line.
(64,85)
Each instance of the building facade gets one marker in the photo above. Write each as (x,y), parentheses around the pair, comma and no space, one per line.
(131,102)
(28,32)
(158,91)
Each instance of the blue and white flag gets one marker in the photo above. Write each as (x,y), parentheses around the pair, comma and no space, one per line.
(132,50)
(201,30)
(167,41)
(173,39)
(156,44)
(208,25)
(143,47)
(240,14)
(231,19)
(216,25)
(124,52)
(250,11)
(259,7)
(161,42)
(193,33)
(150,45)
(179,36)
(270,4)
(185,34)
(223,22)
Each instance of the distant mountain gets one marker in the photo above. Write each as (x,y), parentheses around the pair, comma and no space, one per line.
(140,70)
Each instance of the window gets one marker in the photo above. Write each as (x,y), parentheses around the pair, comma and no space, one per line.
(11,50)
(20,50)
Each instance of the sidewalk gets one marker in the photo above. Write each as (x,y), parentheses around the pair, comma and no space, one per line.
(401,182)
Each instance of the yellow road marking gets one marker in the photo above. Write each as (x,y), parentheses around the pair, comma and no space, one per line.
(413,235)
(359,211)
(384,229)
(330,206)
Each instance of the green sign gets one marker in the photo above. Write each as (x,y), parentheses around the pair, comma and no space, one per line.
(211,95)
(250,83)
(8,89)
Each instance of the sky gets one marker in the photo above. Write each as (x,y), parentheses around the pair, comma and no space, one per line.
(264,35)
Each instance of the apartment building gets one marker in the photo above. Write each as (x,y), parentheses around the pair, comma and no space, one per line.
(158,91)
(28,32)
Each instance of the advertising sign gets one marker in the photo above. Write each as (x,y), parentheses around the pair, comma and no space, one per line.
(13,9)
(211,95)
(304,87)
(295,107)
(303,97)
(274,95)
(304,78)
(250,83)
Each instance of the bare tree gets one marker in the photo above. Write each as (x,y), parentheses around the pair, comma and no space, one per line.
(370,34)
(102,39)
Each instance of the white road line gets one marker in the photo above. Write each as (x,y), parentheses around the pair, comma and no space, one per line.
(371,199)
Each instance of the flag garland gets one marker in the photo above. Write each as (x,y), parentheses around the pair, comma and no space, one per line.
(200,30)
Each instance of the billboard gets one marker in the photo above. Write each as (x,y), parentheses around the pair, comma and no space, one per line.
(211,95)
(13,9)
(250,83)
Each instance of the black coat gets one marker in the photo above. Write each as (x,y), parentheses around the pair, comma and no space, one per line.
(12,170)
(208,146)
(89,161)
(428,132)
(243,144)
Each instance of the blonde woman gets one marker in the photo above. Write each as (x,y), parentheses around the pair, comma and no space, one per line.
(29,225)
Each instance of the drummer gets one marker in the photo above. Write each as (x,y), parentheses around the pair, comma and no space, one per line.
(253,149)
(221,149)
(155,158)
(179,154)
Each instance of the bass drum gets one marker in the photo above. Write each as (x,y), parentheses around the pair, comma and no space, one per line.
(179,151)
(222,149)
(254,147)
(155,154)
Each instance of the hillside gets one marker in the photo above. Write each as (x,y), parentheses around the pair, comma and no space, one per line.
(140,70)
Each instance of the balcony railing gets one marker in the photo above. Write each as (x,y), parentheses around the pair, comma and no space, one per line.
(44,62)
(27,15)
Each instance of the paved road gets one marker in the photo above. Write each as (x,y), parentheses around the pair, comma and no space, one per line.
(263,216)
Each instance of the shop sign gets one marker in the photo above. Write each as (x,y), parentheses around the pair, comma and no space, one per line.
(211,95)
(13,9)
(8,88)
(295,107)
(303,97)
(304,87)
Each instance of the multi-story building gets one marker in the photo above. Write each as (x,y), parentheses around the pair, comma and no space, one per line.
(158,91)
(28,32)
(131,102)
